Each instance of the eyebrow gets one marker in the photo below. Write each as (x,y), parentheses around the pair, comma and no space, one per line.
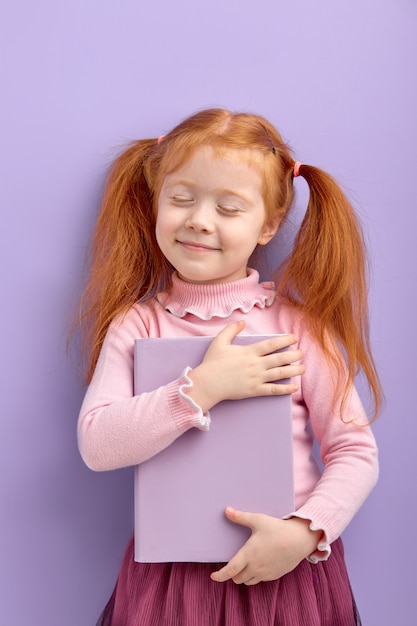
(180,181)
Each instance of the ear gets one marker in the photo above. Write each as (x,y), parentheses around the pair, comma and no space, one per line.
(268,232)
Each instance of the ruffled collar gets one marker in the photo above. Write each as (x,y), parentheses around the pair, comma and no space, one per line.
(219,299)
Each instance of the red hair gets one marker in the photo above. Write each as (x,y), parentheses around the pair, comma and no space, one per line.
(324,276)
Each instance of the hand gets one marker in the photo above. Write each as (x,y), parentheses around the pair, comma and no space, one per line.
(232,372)
(275,548)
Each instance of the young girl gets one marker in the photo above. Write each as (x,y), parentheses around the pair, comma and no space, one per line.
(181,218)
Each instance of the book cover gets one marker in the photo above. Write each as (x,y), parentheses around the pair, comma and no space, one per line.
(245,460)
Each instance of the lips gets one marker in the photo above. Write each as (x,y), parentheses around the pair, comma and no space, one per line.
(197,246)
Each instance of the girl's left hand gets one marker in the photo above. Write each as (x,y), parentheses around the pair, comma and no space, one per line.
(275,548)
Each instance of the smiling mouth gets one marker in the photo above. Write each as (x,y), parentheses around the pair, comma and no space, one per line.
(196,247)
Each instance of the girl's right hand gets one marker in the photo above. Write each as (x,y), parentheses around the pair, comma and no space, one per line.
(232,372)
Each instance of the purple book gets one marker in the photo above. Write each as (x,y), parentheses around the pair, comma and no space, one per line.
(245,460)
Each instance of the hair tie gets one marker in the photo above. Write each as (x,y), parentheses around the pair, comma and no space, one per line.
(296,169)
(160,139)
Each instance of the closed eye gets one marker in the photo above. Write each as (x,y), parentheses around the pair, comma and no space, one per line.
(228,209)
(182,199)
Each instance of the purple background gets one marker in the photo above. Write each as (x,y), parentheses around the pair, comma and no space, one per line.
(79,79)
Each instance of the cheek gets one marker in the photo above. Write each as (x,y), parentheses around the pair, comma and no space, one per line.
(159,230)
(244,242)
(166,228)
(161,221)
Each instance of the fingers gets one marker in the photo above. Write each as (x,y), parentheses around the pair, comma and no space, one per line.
(280,366)
(233,372)
(279,389)
(244,576)
(235,568)
(232,571)
(283,372)
(241,517)
(273,344)
(264,347)
(278,359)
(229,332)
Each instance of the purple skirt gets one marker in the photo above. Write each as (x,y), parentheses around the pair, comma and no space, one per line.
(182,594)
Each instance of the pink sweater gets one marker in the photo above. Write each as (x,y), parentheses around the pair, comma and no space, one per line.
(117,429)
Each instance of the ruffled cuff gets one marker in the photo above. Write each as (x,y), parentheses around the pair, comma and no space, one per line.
(323,550)
(185,410)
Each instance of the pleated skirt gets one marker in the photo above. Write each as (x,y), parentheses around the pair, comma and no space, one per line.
(182,594)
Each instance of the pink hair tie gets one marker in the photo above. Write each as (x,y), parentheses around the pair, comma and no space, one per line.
(160,139)
(297,166)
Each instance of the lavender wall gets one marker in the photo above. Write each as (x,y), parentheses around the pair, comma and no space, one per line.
(81,78)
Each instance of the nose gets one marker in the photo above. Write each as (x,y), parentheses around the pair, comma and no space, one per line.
(200,218)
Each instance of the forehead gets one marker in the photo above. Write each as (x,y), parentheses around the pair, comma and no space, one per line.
(220,166)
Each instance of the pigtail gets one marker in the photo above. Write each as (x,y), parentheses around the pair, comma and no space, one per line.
(126,264)
(326,277)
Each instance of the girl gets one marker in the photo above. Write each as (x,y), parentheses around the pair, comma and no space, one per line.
(180,220)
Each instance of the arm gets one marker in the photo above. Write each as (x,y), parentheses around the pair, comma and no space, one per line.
(117,429)
(349,455)
(347,449)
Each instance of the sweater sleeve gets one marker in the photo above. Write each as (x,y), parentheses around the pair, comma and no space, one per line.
(116,428)
(347,450)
